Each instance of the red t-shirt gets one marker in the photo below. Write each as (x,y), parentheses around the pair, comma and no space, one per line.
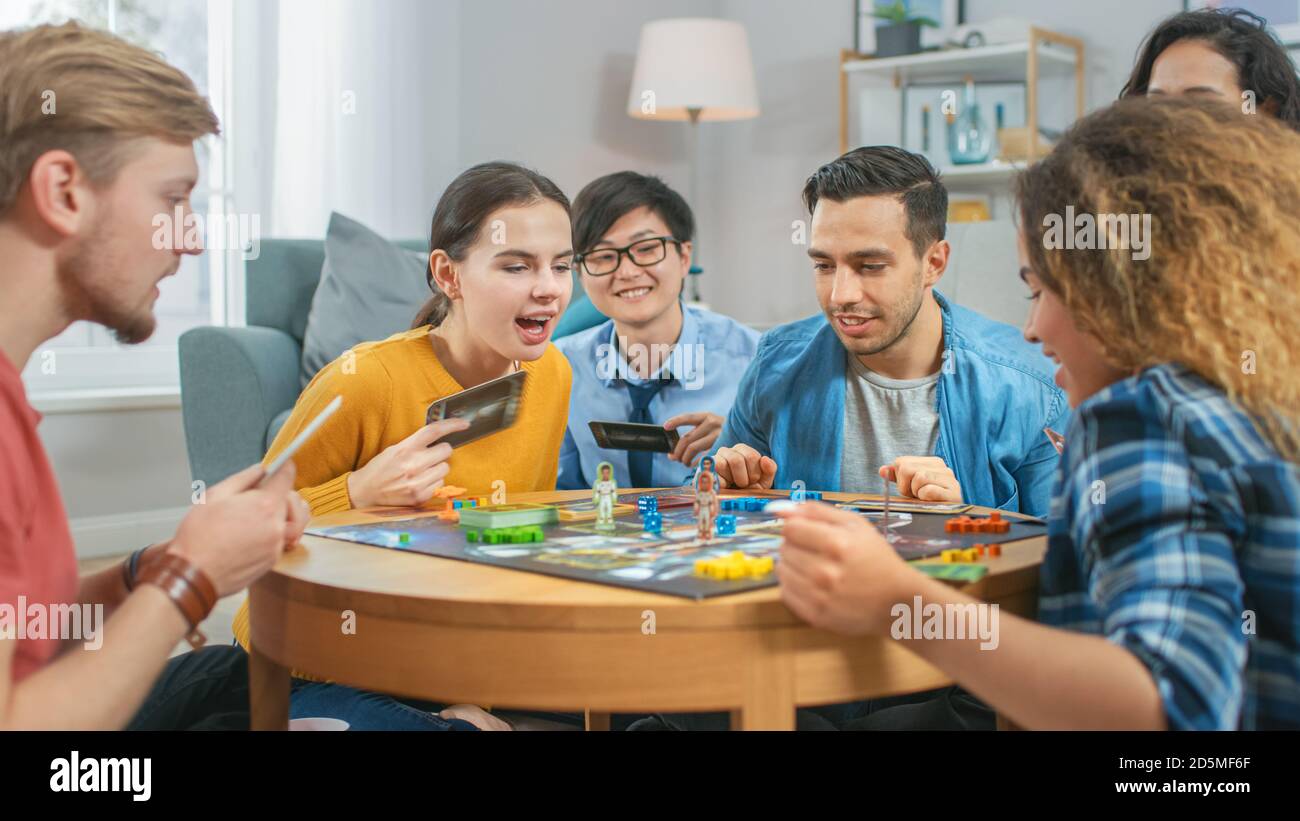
(38,565)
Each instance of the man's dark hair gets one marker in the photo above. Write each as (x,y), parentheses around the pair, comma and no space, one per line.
(604,201)
(885,169)
(1241,38)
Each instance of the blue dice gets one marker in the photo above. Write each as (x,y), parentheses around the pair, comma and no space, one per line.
(653,522)
(647,504)
(726,525)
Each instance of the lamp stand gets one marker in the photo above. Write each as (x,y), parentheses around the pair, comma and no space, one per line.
(694,158)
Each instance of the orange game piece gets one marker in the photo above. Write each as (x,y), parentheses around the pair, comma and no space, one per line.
(957,524)
(995,550)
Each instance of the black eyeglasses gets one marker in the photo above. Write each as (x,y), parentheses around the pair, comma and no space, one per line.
(643,252)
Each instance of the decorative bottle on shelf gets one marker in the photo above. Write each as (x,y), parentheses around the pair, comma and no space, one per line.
(969,138)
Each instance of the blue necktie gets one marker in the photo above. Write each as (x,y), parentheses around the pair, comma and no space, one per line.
(639,462)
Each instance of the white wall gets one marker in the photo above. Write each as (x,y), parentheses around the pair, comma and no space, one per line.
(546,84)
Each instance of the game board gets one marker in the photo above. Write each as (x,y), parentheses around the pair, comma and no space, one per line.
(631,557)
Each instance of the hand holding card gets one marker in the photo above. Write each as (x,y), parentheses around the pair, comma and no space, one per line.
(409,473)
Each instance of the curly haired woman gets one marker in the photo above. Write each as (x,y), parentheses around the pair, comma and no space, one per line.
(1170,592)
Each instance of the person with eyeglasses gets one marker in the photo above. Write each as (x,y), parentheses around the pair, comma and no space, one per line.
(657,360)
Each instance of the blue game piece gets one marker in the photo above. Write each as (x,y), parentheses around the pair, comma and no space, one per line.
(812,495)
(726,525)
(457,505)
(653,522)
(647,504)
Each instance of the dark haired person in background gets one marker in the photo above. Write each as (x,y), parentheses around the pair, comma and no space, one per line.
(656,360)
(1223,53)
(894,381)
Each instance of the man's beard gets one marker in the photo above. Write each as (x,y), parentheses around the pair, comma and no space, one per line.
(894,334)
(93,299)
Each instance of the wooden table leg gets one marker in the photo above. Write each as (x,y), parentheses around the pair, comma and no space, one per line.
(597,722)
(769,688)
(268,692)
(759,716)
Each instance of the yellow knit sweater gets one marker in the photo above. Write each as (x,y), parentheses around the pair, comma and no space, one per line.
(387,388)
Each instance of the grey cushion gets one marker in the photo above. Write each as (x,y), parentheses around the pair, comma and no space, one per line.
(370,289)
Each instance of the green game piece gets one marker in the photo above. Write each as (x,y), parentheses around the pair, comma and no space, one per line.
(511,515)
(954,572)
(403,538)
(471,535)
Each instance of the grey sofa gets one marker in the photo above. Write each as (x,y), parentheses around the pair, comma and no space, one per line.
(239,384)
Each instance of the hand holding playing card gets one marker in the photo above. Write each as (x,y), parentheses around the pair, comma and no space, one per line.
(408,473)
(699,439)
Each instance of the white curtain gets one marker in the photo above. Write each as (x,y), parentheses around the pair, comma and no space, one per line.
(361,86)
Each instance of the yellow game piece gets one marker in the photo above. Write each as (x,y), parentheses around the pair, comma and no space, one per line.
(735,565)
(971,555)
(950,556)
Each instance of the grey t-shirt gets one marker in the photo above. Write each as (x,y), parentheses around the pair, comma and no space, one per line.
(883,419)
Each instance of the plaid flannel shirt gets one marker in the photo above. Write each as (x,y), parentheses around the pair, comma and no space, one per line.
(1175,533)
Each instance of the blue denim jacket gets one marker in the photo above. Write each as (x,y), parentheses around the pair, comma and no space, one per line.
(995,396)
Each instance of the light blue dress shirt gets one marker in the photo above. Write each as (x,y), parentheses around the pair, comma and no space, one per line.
(711,354)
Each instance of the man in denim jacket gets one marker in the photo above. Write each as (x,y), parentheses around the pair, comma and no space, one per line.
(894,382)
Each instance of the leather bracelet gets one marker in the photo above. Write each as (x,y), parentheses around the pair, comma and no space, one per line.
(189,589)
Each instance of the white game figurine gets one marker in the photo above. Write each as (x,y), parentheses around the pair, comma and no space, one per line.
(604,493)
(706,499)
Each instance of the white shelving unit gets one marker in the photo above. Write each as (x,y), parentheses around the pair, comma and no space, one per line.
(1042,53)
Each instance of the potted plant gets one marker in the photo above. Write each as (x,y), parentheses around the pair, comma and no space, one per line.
(903,34)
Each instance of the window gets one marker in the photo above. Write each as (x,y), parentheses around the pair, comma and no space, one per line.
(194,36)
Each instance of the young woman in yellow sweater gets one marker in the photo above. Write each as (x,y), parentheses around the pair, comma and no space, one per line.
(499,267)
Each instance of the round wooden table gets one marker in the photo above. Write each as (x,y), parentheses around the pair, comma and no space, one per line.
(453,631)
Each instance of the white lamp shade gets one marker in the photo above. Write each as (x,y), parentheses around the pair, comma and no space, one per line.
(693,63)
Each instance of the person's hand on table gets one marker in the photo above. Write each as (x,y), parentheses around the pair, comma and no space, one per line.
(406,474)
(744,468)
(699,439)
(924,478)
(837,572)
(475,715)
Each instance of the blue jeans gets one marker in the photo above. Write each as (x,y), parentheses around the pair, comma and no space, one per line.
(364,710)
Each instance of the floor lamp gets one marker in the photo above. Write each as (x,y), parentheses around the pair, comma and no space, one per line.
(697,70)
